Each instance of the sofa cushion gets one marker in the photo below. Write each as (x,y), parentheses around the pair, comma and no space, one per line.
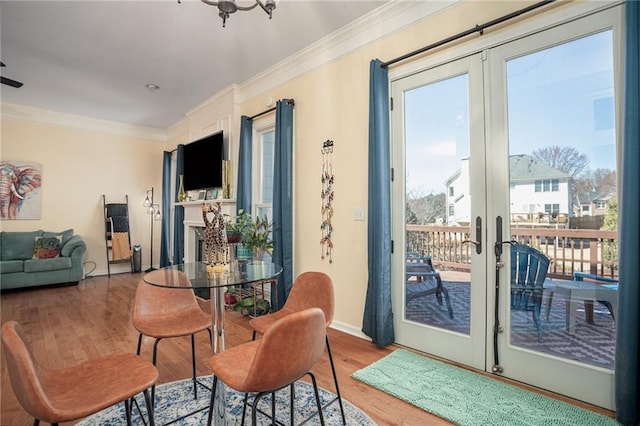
(43,265)
(11,266)
(47,247)
(18,245)
(66,235)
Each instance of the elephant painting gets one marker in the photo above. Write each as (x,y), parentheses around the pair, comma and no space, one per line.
(18,182)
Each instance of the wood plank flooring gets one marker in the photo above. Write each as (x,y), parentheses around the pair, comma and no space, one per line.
(67,325)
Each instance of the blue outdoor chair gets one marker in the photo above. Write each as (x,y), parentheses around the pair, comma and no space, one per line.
(427,281)
(528,271)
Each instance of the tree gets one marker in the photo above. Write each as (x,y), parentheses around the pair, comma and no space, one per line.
(566,159)
(600,181)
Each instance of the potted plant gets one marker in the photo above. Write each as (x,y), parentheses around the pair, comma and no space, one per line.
(238,226)
(257,237)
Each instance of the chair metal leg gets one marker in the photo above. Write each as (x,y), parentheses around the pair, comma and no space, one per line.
(273,407)
(127,411)
(292,403)
(244,408)
(213,398)
(193,366)
(317,394)
(149,403)
(139,343)
(254,409)
(155,359)
(335,380)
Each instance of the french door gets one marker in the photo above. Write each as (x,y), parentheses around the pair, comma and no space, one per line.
(502,145)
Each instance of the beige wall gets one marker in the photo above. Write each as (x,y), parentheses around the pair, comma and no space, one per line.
(79,166)
(331,102)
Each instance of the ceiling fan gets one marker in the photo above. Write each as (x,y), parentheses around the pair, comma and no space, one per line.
(8,81)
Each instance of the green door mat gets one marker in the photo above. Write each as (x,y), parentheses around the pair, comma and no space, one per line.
(467,398)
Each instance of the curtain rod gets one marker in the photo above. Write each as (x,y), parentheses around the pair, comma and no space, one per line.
(290,101)
(478,28)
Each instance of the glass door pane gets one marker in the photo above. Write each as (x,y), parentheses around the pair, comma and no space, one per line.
(439,293)
(437,199)
(563,192)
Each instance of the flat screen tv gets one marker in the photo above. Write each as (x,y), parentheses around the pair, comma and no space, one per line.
(203,163)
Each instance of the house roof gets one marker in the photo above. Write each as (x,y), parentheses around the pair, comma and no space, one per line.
(525,167)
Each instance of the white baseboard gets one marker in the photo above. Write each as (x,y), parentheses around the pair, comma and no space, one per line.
(349,329)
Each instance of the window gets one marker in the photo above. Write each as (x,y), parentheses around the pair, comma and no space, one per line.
(451,191)
(264,157)
(552,208)
(452,210)
(547,185)
(601,204)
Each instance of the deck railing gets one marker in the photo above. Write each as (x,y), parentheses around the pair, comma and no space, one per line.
(570,250)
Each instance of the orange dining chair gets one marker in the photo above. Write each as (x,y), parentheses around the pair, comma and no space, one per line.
(161,312)
(71,393)
(310,289)
(286,352)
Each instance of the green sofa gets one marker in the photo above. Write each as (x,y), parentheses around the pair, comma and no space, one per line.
(35,258)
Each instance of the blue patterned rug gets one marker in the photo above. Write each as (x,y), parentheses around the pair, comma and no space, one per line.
(174,400)
(469,399)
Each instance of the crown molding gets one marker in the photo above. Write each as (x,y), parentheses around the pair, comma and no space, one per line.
(379,23)
(54,118)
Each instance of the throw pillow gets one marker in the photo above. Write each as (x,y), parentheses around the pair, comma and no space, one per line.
(47,247)
(66,235)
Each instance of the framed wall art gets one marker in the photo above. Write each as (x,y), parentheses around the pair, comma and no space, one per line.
(20,190)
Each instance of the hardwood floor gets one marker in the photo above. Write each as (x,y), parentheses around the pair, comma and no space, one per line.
(71,324)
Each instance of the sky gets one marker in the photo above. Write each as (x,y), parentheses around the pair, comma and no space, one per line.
(561,95)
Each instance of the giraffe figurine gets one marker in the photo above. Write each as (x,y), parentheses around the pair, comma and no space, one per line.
(215,239)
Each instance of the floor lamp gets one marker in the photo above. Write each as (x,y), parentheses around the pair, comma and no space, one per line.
(153,210)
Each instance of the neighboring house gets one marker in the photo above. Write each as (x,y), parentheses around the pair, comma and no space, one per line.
(538,192)
(592,204)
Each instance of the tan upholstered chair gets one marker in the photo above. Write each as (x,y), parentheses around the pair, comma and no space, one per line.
(310,289)
(161,312)
(71,393)
(287,351)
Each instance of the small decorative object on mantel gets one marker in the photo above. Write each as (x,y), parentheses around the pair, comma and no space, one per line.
(215,239)
(326,206)
(226,179)
(182,196)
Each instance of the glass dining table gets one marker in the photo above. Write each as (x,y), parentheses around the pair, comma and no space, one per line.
(215,280)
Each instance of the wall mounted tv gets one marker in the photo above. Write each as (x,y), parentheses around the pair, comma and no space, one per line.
(203,163)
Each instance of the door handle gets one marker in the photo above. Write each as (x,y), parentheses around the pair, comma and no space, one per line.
(478,241)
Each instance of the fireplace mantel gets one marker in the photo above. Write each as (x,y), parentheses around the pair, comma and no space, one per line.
(193,220)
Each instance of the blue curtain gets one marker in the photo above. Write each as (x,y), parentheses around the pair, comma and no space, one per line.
(243,197)
(377,322)
(178,214)
(165,210)
(282,200)
(627,374)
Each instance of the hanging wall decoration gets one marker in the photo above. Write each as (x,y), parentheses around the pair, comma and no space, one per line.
(20,191)
(326,195)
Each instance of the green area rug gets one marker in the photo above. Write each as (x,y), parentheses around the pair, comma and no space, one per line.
(467,398)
